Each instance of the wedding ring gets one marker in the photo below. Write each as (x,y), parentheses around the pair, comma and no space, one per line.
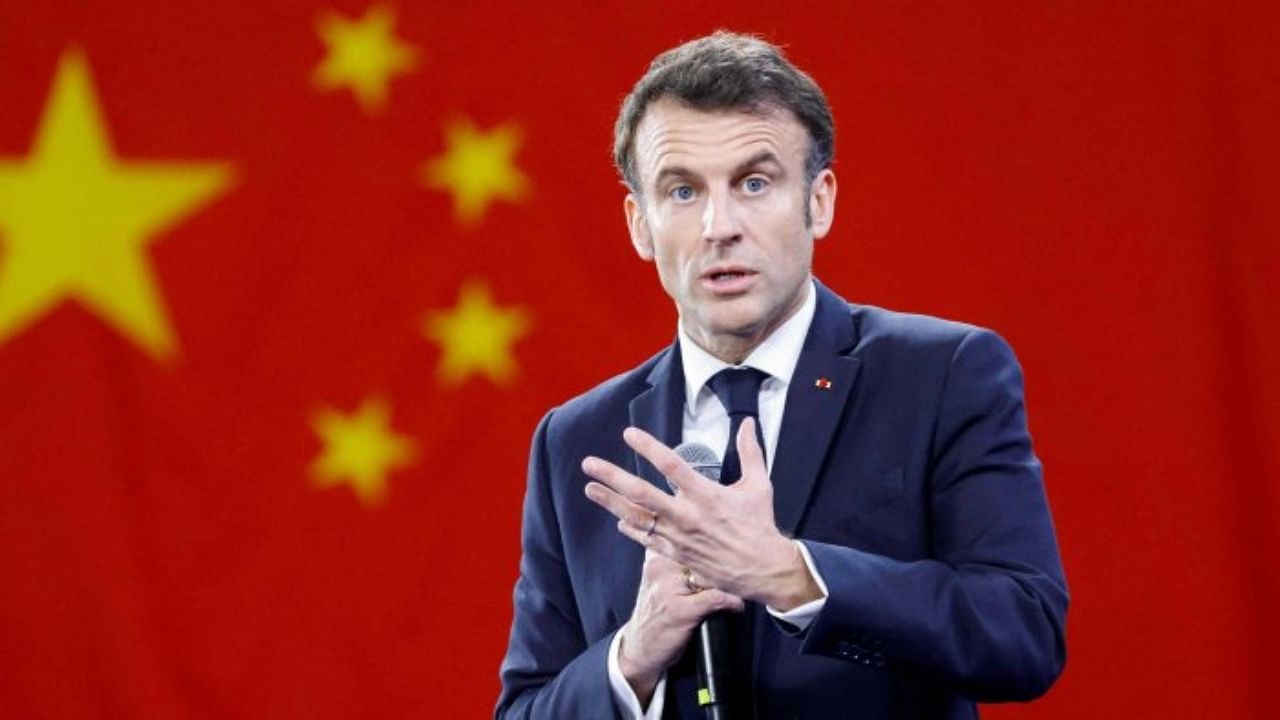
(653,525)
(689,584)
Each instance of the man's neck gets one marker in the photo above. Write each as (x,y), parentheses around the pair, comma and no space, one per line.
(733,349)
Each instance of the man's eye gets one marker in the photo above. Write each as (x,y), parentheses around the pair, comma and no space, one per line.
(755,185)
(682,193)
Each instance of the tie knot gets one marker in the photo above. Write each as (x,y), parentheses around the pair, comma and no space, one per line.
(738,389)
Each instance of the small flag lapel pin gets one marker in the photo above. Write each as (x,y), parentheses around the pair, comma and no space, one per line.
(822,383)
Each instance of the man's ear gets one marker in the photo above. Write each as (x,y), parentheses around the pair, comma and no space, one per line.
(641,240)
(822,203)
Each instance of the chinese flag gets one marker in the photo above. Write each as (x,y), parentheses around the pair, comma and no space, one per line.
(285,287)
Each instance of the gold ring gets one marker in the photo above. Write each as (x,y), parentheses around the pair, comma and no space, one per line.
(653,525)
(689,584)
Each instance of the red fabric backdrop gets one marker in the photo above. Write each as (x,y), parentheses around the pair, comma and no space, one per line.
(1095,180)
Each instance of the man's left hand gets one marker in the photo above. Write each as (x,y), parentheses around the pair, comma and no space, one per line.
(725,534)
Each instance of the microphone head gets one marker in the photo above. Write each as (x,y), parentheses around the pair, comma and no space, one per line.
(701,458)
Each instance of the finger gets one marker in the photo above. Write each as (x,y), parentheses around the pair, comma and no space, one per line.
(712,600)
(634,515)
(752,456)
(677,472)
(653,542)
(660,566)
(634,489)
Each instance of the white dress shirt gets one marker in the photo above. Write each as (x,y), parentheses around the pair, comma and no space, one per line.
(705,420)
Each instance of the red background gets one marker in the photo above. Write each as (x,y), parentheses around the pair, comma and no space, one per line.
(1095,180)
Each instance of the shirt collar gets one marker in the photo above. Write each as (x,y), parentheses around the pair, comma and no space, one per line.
(777,355)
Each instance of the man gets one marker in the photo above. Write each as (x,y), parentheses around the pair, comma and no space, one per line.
(888,551)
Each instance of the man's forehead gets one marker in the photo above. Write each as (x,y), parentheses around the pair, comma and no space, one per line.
(671,131)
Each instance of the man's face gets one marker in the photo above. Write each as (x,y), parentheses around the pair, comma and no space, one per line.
(723,216)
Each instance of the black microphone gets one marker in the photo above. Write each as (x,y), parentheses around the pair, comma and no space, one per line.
(715,676)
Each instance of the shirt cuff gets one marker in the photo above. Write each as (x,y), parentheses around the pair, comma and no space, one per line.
(801,616)
(624,696)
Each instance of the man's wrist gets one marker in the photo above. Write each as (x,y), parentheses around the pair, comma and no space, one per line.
(791,585)
(642,683)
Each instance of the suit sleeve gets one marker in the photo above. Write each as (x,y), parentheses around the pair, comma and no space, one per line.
(985,612)
(550,670)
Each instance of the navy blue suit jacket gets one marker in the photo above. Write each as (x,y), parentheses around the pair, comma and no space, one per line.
(912,482)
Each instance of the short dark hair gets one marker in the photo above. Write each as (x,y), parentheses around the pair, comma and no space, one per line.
(727,71)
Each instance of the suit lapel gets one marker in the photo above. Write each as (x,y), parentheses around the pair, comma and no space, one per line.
(656,410)
(659,410)
(820,391)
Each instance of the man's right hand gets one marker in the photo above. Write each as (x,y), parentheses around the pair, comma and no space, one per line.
(665,615)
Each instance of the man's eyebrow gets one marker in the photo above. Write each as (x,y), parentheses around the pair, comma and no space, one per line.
(672,171)
(760,158)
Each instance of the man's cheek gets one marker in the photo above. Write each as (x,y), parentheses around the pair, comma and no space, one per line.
(670,279)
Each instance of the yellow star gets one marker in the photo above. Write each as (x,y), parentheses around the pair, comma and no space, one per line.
(359,450)
(476,336)
(75,221)
(363,55)
(477,167)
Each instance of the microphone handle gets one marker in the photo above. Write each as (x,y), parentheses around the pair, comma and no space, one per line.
(714,673)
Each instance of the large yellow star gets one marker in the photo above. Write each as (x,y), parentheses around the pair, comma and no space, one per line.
(363,55)
(75,221)
(478,167)
(476,336)
(359,450)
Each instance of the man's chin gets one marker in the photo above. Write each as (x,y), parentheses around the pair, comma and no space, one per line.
(741,328)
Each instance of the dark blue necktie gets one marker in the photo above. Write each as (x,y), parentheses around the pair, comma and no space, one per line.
(739,392)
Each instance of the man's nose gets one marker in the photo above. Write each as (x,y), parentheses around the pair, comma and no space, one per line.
(720,219)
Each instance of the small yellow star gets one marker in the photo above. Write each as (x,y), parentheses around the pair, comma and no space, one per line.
(359,450)
(476,337)
(478,167)
(363,55)
(75,220)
